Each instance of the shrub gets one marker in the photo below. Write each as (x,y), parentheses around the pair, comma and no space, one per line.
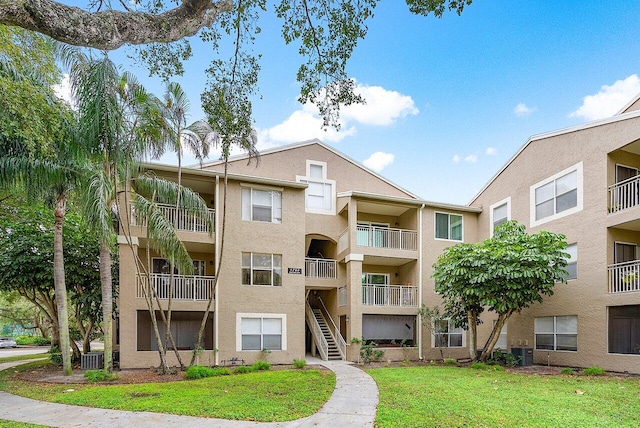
(496,368)
(99,376)
(567,371)
(479,366)
(56,358)
(594,371)
(42,341)
(368,353)
(451,362)
(33,340)
(198,372)
(261,365)
(244,369)
(299,364)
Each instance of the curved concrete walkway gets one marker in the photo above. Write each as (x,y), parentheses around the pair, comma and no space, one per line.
(353,403)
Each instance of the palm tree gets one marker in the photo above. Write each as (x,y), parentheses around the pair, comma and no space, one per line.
(56,175)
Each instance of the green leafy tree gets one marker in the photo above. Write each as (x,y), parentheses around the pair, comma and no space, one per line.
(504,274)
(326,32)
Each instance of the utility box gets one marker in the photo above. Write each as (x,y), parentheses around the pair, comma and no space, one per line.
(524,356)
(92,361)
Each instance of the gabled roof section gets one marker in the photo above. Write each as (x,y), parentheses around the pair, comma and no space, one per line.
(613,119)
(633,104)
(311,142)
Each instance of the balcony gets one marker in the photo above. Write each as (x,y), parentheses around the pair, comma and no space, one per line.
(183,219)
(390,295)
(624,195)
(320,268)
(185,287)
(386,237)
(624,277)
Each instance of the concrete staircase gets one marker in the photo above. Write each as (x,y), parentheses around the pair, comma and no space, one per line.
(334,353)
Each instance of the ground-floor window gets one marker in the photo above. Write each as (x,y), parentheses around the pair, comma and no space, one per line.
(557,333)
(184,329)
(389,329)
(261,331)
(624,329)
(447,335)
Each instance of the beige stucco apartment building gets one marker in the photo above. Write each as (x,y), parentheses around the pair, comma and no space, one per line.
(319,250)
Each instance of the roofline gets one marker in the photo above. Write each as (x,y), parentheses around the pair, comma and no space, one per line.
(407,201)
(601,122)
(320,143)
(231,176)
(629,104)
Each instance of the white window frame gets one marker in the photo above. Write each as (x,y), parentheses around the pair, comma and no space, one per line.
(202,264)
(324,181)
(261,316)
(251,268)
(248,216)
(572,260)
(435,227)
(555,334)
(498,204)
(579,202)
(450,327)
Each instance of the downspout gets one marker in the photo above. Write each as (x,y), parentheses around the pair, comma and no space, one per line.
(216,263)
(420,279)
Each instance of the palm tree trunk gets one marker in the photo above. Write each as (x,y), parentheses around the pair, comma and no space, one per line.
(59,283)
(107,304)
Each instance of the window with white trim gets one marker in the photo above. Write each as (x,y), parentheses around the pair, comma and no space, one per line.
(499,213)
(558,333)
(261,269)
(447,335)
(255,332)
(557,196)
(261,205)
(320,195)
(448,226)
(572,262)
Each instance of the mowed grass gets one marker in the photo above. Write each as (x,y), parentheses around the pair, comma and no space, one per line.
(23,357)
(436,396)
(11,424)
(268,396)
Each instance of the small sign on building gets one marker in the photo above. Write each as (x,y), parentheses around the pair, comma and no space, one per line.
(294,271)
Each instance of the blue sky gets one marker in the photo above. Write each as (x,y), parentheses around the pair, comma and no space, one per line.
(451,100)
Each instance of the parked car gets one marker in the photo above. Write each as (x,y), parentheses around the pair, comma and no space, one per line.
(7,342)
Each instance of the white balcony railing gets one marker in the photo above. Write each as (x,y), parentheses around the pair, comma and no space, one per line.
(390,295)
(185,287)
(320,268)
(625,194)
(624,277)
(183,219)
(386,237)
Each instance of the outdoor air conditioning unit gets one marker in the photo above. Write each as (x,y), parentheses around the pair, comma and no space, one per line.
(524,356)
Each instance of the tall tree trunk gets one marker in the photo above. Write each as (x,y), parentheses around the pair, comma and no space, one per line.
(203,323)
(494,336)
(106,286)
(472,318)
(59,283)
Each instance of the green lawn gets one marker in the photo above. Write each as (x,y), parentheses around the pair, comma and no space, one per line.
(436,396)
(266,396)
(11,424)
(23,357)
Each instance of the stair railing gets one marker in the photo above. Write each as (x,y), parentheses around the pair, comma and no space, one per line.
(335,331)
(321,342)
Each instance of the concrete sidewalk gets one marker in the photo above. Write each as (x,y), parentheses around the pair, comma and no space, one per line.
(353,403)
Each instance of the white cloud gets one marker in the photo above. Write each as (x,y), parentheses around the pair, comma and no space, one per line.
(383,108)
(609,100)
(522,110)
(379,160)
(63,89)
(456,159)
(491,151)
(471,158)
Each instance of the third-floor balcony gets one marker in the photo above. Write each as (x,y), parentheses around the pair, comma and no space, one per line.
(624,194)
(319,268)
(382,237)
(184,220)
(184,287)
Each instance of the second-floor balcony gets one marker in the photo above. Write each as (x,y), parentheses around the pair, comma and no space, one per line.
(390,295)
(624,277)
(319,268)
(185,287)
(387,237)
(183,219)
(624,195)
